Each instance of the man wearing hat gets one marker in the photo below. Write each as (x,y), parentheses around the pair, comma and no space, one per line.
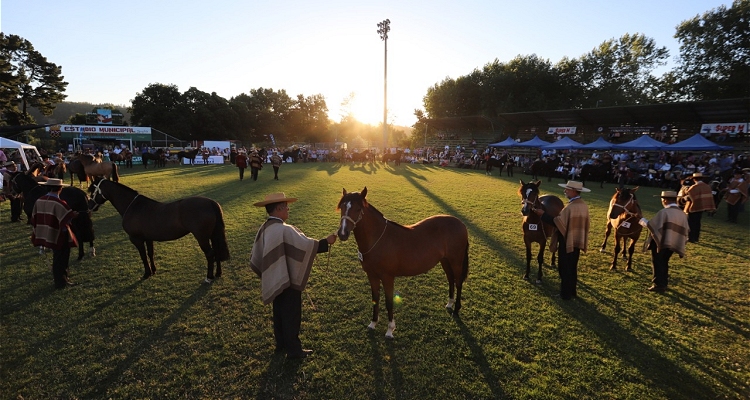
(698,198)
(240,160)
(256,164)
(282,256)
(10,170)
(276,164)
(736,194)
(570,237)
(50,222)
(669,232)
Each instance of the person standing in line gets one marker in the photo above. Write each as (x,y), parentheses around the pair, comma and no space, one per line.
(570,237)
(240,160)
(282,256)
(276,163)
(736,195)
(668,235)
(256,164)
(698,198)
(50,221)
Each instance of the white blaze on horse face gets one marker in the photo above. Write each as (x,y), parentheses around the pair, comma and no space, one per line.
(344,220)
(528,192)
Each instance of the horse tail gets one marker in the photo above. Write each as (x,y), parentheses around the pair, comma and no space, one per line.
(219,237)
(115,175)
(465,270)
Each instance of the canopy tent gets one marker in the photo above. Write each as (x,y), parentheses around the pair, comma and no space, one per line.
(25,151)
(696,142)
(509,142)
(598,144)
(535,142)
(642,143)
(565,143)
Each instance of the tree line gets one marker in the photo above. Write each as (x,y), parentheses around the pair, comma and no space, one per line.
(714,63)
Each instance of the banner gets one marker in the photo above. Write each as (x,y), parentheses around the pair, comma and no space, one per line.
(562,130)
(731,128)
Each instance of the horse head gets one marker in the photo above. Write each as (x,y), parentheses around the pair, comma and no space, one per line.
(352,206)
(624,202)
(96,198)
(529,193)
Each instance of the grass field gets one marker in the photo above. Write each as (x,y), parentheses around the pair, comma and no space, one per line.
(117,336)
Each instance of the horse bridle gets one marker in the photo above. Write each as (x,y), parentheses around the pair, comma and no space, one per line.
(625,207)
(98,191)
(532,204)
(350,219)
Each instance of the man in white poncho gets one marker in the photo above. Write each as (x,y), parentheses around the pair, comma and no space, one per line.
(282,256)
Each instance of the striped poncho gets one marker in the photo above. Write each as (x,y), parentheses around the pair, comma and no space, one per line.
(669,229)
(573,224)
(699,198)
(282,256)
(51,220)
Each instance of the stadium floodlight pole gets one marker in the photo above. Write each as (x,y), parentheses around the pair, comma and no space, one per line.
(383,29)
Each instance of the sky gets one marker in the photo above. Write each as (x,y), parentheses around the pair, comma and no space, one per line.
(111,51)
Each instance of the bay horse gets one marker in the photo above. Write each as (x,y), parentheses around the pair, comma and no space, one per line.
(146,220)
(623,215)
(596,172)
(495,162)
(544,168)
(76,169)
(362,157)
(81,225)
(157,156)
(387,249)
(189,154)
(534,230)
(106,169)
(396,157)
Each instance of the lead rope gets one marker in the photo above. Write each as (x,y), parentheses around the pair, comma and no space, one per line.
(361,255)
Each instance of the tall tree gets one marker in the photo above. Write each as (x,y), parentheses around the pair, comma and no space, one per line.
(714,61)
(162,107)
(32,81)
(309,118)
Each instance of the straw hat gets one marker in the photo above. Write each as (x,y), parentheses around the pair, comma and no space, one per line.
(667,193)
(275,198)
(652,171)
(575,185)
(54,182)
(699,175)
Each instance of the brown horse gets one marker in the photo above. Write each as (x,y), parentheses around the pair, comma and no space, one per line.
(146,220)
(106,169)
(387,250)
(76,169)
(624,215)
(534,231)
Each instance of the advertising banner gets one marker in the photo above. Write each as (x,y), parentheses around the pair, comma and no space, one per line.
(561,130)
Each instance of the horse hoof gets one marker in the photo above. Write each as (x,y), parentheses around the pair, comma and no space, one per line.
(526,277)
(389,335)
(209,281)
(602,250)
(92,253)
(628,269)
(612,268)
(538,281)
(371,327)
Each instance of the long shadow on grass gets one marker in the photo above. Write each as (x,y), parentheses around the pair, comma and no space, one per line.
(675,380)
(99,390)
(631,350)
(279,378)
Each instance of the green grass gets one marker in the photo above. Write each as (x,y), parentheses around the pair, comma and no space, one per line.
(116,336)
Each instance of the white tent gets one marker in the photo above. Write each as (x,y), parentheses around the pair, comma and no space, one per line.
(24,150)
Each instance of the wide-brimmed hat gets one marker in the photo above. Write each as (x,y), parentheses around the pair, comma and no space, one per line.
(9,164)
(54,182)
(667,193)
(699,175)
(575,185)
(745,169)
(652,171)
(275,198)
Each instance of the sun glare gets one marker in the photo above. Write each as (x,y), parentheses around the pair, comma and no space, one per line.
(367,109)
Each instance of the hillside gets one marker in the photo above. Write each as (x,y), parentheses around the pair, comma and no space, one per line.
(66,109)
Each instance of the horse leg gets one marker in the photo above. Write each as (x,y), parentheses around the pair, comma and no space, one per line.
(607,231)
(80,250)
(528,261)
(617,252)
(540,260)
(375,289)
(631,249)
(388,289)
(92,249)
(150,249)
(625,247)
(140,246)
(209,253)
(451,283)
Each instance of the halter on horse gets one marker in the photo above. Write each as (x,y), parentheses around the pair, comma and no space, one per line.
(146,220)
(387,250)
(534,230)
(623,215)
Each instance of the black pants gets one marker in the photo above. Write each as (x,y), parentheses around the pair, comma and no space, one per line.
(276,173)
(660,263)
(254,173)
(16,207)
(287,318)
(60,260)
(733,211)
(694,223)
(509,170)
(242,173)
(567,267)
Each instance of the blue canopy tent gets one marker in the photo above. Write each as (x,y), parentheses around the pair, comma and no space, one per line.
(696,142)
(535,142)
(644,143)
(509,142)
(565,143)
(599,144)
